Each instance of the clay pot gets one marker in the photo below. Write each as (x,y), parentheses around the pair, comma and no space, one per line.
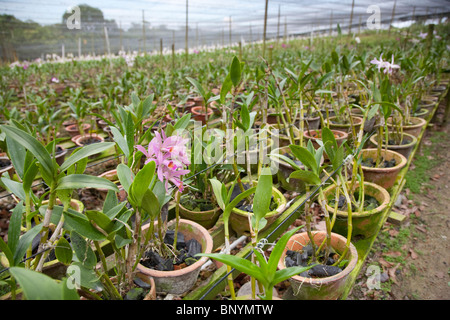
(365,224)
(313,136)
(73,129)
(206,219)
(239,218)
(422,113)
(182,280)
(60,156)
(285,170)
(186,107)
(404,149)
(199,113)
(384,177)
(329,288)
(80,139)
(346,127)
(414,128)
(427,104)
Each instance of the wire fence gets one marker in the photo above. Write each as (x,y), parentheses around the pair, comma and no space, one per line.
(31,30)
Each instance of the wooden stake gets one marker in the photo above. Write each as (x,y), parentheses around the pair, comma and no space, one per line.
(351,20)
(143,32)
(265,29)
(186,36)
(278,25)
(392,17)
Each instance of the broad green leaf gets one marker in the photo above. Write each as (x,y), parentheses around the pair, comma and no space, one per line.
(15,224)
(83,226)
(33,145)
(307,176)
(235,201)
(37,286)
(197,86)
(263,196)
(83,250)
(183,122)
(7,251)
(150,204)
(17,154)
(120,140)
(24,242)
(99,218)
(238,263)
(217,189)
(85,152)
(226,87)
(142,181)
(304,156)
(79,181)
(235,71)
(14,187)
(125,176)
(63,251)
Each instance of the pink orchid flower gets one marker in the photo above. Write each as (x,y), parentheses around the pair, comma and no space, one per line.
(170,157)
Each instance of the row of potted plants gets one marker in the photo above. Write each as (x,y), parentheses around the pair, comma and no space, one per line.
(131,248)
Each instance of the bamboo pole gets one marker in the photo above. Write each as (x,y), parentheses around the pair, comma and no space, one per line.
(351,20)
(265,29)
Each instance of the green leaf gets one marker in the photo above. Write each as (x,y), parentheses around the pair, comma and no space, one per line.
(235,71)
(15,224)
(63,251)
(7,251)
(238,263)
(197,86)
(14,187)
(263,196)
(83,226)
(304,156)
(100,219)
(79,181)
(226,87)
(183,122)
(37,286)
(33,145)
(150,204)
(141,182)
(217,189)
(110,202)
(83,250)
(307,176)
(85,152)
(24,242)
(235,201)
(125,176)
(120,141)
(17,155)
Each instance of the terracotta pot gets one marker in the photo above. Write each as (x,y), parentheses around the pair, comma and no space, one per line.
(239,218)
(61,155)
(8,168)
(365,224)
(346,127)
(384,177)
(427,104)
(206,219)
(182,280)
(422,113)
(404,149)
(285,170)
(186,107)
(73,129)
(414,128)
(79,140)
(111,175)
(329,288)
(313,136)
(199,113)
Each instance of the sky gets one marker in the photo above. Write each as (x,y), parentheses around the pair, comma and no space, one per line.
(208,14)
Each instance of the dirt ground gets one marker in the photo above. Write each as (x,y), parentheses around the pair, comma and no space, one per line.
(414,257)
